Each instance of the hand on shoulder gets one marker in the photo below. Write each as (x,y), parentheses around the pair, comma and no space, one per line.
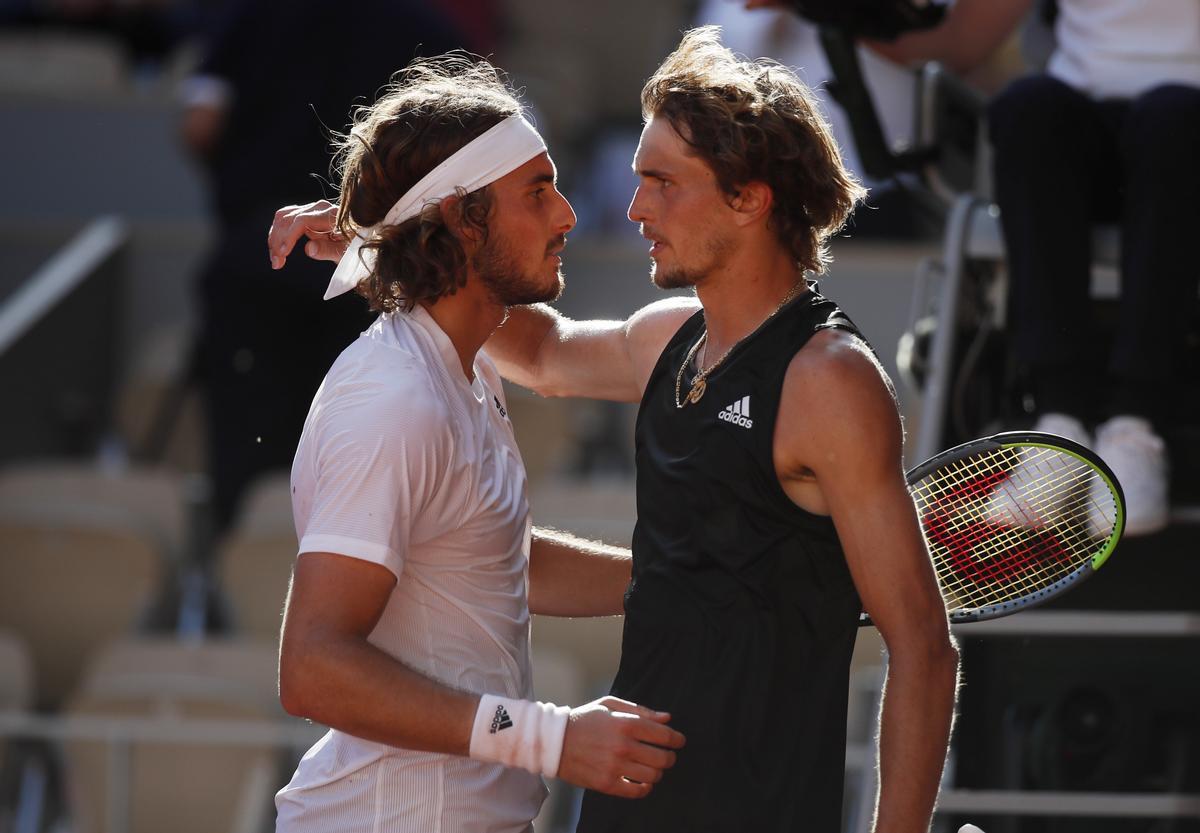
(315,220)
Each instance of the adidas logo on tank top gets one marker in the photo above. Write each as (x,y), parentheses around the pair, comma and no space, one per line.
(738,413)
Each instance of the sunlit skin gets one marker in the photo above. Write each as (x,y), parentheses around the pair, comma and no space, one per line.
(833,396)
(520,262)
(680,207)
(721,243)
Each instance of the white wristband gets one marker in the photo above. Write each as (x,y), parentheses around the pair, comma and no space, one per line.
(519,733)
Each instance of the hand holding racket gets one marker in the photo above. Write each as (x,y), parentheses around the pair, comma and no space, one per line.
(1013,520)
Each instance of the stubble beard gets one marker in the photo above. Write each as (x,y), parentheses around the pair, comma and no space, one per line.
(673,278)
(496,265)
(716,250)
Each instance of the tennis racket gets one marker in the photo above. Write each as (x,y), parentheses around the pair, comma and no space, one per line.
(1014,520)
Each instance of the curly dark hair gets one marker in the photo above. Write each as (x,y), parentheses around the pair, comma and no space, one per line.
(755,121)
(431,108)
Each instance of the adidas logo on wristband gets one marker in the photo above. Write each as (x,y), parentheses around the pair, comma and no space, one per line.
(501,720)
(534,738)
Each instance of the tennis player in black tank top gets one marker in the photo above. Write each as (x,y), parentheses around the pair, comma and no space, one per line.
(741,614)
(772,506)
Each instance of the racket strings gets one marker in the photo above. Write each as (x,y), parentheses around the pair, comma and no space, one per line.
(1005,558)
(1006,523)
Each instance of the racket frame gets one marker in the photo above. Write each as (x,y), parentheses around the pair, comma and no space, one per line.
(1027,439)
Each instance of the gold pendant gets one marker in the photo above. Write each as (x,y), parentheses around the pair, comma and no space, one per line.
(697,391)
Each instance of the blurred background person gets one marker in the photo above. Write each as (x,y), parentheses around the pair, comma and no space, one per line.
(275,79)
(792,40)
(1106,134)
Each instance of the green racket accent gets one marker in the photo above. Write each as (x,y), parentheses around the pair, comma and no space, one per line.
(1015,519)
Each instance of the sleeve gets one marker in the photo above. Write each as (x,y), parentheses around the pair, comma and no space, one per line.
(377,466)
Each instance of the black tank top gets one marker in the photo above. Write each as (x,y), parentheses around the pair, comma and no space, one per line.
(741,615)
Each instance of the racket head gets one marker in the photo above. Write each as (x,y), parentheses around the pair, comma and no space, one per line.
(1014,520)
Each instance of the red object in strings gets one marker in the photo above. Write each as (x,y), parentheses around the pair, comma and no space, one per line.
(1028,554)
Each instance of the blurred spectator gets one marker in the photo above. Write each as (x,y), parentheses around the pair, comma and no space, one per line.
(147,30)
(276,77)
(771,30)
(1109,133)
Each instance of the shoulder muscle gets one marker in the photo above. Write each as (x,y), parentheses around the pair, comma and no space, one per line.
(838,406)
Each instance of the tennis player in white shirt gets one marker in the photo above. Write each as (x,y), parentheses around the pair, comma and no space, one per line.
(407,623)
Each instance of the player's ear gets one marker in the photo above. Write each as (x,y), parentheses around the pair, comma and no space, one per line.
(752,202)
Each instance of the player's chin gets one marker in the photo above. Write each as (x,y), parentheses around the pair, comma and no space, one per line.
(555,289)
(548,292)
(665,278)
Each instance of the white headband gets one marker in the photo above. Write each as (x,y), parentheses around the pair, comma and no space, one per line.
(483,160)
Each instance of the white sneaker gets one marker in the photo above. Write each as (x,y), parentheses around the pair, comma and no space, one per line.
(1138,457)
(1011,503)
(1064,425)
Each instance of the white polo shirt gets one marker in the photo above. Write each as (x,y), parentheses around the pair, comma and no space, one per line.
(1123,48)
(405,463)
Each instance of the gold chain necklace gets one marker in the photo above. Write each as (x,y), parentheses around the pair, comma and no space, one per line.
(699,384)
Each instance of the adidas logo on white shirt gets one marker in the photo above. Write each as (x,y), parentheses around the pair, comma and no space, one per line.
(738,413)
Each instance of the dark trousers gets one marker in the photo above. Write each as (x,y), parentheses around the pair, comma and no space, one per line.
(1063,163)
(266,341)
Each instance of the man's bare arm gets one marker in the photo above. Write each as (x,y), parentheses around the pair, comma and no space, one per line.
(569,576)
(849,436)
(330,673)
(551,354)
(971,31)
(537,347)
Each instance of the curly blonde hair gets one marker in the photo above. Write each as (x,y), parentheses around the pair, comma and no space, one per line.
(431,109)
(755,121)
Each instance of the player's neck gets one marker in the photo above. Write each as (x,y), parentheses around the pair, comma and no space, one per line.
(738,297)
(468,318)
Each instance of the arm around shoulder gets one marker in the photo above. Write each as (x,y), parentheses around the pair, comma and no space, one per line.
(553,355)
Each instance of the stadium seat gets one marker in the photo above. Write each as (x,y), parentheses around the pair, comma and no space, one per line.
(215,778)
(16,681)
(16,673)
(254,562)
(23,766)
(73,575)
(159,412)
(156,497)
